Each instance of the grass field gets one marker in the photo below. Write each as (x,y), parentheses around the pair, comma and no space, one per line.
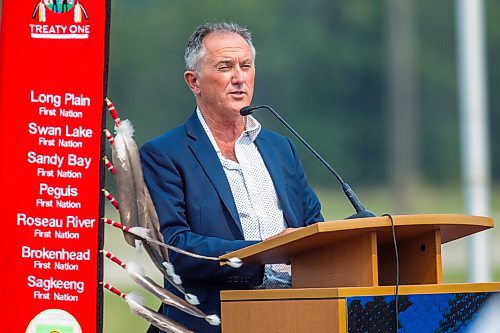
(118,319)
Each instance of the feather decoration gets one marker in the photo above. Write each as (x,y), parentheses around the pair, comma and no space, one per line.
(135,303)
(137,212)
(167,297)
(35,11)
(132,193)
(156,319)
(143,235)
(136,206)
(165,268)
(41,12)
(168,274)
(137,274)
(77,13)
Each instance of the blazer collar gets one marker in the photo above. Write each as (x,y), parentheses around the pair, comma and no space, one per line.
(204,151)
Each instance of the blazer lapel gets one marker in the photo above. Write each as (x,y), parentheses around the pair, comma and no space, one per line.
(273,165)
(205,153)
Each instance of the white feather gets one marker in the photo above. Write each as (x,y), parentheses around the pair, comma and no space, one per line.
(124,133)
(169,268)
(41,12)
(192,299)
(213,320)
(126,129)
(140,231)
(164,295)
(138,246)
(134,268)
(177,279)
(77,14)
(235,262)
(156,319)
(135,299)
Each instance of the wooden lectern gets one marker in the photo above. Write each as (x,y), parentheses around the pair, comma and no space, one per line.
(335,264)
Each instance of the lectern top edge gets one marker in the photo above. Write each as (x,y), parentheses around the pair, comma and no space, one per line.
(417,219)
(453,226)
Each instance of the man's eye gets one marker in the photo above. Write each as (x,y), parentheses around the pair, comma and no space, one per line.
(224,68)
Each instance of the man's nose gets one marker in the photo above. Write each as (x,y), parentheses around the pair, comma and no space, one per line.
(237,76)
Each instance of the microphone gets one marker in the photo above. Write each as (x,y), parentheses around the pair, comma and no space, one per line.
(361,211)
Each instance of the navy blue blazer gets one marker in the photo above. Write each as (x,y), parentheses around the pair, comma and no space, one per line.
(197,211)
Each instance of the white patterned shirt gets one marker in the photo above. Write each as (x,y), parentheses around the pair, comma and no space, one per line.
(254,194)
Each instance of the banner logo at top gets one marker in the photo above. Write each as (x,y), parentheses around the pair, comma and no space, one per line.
(64,10)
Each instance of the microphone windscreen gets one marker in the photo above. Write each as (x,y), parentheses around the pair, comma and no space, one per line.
(247,110)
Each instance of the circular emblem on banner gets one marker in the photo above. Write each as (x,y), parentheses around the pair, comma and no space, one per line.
(54,321)
(59,6)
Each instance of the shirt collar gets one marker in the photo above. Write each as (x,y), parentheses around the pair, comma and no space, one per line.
(252,128)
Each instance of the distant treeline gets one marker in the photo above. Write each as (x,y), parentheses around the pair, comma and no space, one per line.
(322,64)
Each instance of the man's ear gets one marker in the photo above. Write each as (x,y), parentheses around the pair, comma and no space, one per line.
(191,79)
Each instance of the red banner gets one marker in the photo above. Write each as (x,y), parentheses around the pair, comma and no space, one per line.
(53,56)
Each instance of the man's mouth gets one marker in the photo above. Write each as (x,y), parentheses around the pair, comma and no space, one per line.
(238,92)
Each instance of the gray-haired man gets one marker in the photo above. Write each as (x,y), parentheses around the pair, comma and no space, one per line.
(220,182)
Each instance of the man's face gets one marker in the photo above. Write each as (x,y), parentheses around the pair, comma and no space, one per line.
(225,82)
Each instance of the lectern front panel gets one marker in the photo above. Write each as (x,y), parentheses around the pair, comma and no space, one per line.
(419,260)
(351,262)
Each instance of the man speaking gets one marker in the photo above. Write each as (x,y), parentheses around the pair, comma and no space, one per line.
(220,182)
